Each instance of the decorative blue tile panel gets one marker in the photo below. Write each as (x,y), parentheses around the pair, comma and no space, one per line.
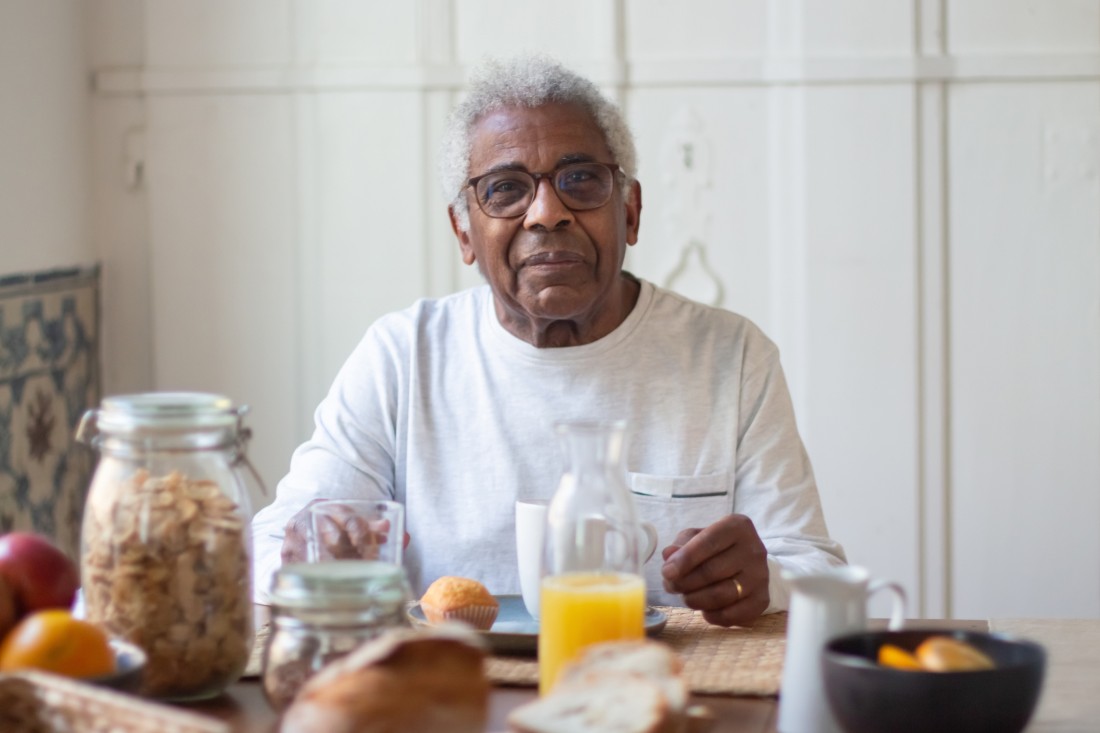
(49,375)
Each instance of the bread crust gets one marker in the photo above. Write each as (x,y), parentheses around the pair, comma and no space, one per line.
(619,687)
(408,681)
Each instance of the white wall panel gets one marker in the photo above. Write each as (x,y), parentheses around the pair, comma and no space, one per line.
(1024,26)
(445,271)
(657,29)
(369,249)
(721,199)
(356,32)
(1025,348)
(214,33)
(222,208)
(885,27)
(580,31)
(861,316)
(121,235)
(116,32)
(44,151)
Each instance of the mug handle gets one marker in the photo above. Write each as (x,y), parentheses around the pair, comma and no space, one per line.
(897,615)
(650,539)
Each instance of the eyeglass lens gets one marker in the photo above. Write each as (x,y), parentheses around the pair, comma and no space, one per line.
(509,193)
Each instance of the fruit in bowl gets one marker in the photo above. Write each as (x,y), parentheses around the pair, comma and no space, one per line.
(9,612)
(38,573)
(129,666)
(986,682)
(54,641)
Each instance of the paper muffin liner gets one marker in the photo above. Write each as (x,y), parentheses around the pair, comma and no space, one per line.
(480,617)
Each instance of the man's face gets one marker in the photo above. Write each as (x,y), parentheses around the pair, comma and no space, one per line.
(550,264)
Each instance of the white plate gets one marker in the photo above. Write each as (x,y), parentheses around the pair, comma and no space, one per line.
(515,631)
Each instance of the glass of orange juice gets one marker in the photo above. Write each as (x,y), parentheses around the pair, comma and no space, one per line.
(583,608)
(592,589)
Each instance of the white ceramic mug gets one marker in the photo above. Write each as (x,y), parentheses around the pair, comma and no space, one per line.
(530,531)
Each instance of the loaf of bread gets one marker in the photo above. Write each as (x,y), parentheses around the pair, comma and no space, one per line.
(617,687)
(430,679)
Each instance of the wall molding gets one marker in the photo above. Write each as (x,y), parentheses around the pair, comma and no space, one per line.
(673,72)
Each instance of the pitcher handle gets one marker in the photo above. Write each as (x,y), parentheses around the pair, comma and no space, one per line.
(650,532)
(897,615)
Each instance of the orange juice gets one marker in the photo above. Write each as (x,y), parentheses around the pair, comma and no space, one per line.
(579,609)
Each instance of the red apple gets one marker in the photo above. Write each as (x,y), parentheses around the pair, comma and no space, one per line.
(41,575)
(8,612)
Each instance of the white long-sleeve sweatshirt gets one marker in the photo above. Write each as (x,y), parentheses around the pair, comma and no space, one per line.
(442,409)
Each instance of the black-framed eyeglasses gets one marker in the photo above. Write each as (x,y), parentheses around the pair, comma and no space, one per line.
(506,194)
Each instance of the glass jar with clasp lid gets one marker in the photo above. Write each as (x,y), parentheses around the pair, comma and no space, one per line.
(322,611)
(165,545)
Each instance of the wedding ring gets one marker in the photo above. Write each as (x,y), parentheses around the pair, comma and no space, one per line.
(740,590)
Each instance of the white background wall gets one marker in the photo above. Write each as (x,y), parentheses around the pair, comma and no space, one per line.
(44,137)
(903,193)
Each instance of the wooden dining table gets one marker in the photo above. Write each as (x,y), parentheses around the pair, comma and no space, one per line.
(244,708)
(1069,704)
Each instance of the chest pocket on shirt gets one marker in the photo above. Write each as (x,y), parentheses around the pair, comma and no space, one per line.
(675,503)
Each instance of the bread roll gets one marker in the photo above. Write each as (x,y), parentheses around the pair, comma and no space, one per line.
(423,680)
(617,687)
(650,659)
(611,703)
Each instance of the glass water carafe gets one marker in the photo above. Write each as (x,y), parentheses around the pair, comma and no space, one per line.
(592,589)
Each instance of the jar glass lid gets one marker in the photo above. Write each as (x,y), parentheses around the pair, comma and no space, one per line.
(339,583)
(167,411)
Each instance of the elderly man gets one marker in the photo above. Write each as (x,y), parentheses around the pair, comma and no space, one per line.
(449,405)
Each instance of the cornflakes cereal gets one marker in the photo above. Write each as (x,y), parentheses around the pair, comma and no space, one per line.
(166,566)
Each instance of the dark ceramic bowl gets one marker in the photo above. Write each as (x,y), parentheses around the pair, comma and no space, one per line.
(868,698)
(129,665)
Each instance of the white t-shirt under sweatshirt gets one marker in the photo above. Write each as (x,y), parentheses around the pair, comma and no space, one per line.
(442,409)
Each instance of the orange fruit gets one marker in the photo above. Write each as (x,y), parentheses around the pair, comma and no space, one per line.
(54,641)
(896,657)
(946,654)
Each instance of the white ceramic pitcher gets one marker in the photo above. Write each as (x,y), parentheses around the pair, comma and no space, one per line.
(823,606)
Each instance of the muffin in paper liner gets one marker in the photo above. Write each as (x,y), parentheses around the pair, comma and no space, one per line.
(460,599)
(480,617)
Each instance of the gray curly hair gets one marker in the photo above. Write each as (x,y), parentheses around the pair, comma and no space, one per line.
(526,81)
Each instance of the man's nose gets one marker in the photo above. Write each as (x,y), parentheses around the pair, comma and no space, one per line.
(547,210)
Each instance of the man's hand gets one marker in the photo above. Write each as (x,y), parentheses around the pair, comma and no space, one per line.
(721,570)
(296,539)
(341,535)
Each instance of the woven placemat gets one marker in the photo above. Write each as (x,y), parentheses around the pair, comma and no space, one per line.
(743,660)
(717,661)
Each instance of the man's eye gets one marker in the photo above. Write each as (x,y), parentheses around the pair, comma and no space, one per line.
(577,176)
(501,187)
(582,182)
(504,189)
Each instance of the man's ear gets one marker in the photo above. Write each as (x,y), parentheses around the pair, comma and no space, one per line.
(463,237)
(633,212)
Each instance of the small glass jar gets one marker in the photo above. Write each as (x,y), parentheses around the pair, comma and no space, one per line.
(166,546)
(321,612)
